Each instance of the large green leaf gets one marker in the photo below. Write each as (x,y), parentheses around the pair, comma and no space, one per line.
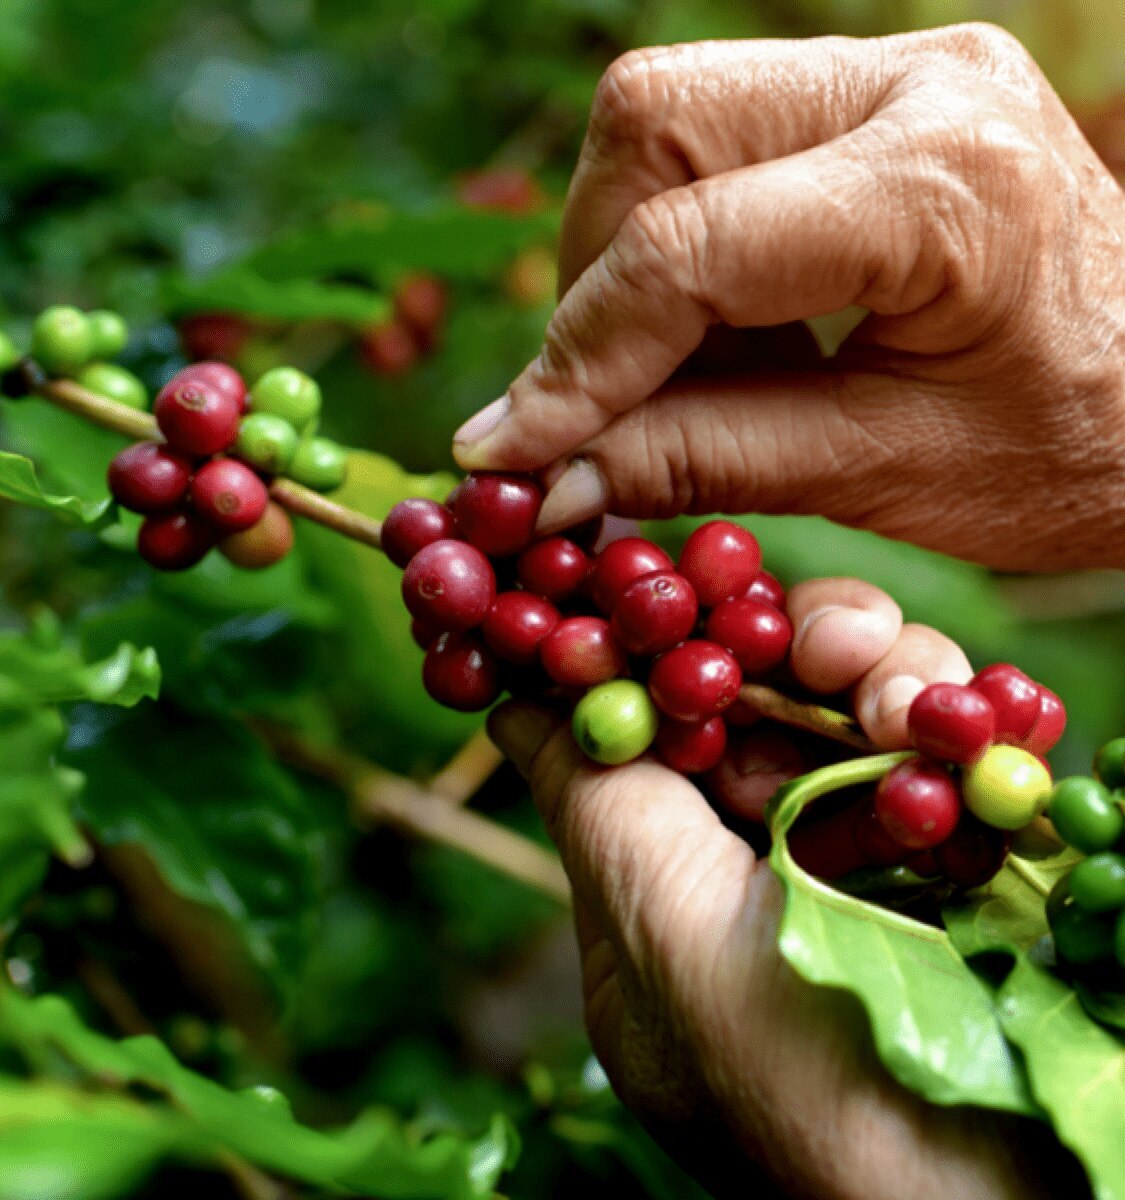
(241,290)
(375,1156)
(19,482)
(932,1019)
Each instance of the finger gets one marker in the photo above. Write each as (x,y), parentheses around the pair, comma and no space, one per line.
(919,657)
(667,115)
(842,628)
(755,764)
(769,244)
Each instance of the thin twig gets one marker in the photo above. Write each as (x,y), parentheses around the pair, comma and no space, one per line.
(1020,868)
(468,770)
(768,702)
(303,502)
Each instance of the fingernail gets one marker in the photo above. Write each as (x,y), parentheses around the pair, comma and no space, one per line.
(580,493)
(849,625)
(884,704)
(470,442)
(520,731)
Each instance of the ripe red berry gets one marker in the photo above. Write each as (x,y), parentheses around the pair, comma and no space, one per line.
(622,563)
(1014,697)
(918,804)
(389,348)
(266,543)
(973,852)
(449,584)
(195,416)
(951,723)
(695,681)
(220,376)
(691,748)
(412,524)
(756,633)
(1049,725)
(516,624)
(497,512)
(149,477)
(215,335)
(420,302)
(720,560)
(766,587)
(228,495)
(460,673)
(581,652)
(875,845)
(655,613)
(174,541)
(825,846)
(554,568)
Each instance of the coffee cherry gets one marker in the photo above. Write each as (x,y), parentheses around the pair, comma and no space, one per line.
(918,804)
(319,463)
(695,681)
(720,560)
(389,348)
(825,846)
(221,377)
(1014,697)
(424,635)
(1109,763)
(1081,938)
(115,383)
(420,302)
(756,633)
(951,723)
(449,584)
(460,673)
(581,652)
(108,333)
(195,416)
(973,853)
(62,340)
(691,749)
(266,442)
(1006,787)
(262,545)
(1049,725)
(288,393)
(500,189)
(766,587)
(497,512)
(174,541)
(1084,814)
(516,624)
(149,477)
(655,613)
(412,524)
(228,495)
(554,568)
(210,335)
(622,563)
(1097,883)
(614,723)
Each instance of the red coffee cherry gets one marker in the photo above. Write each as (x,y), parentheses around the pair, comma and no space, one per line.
(622,563)
(497,512)
(875,845)
(264,544)
(825,846)
(149,477)
(581,652)
(973,852)
(655,613)
(1049,725)
(195,416)
(516,624)
(555,568)
(449,584)
(460,673)
(766,587)
(174,541)
(756,633)
(691,748)
(412,524)
(951,723)
(695,681)
(918,804)
(1014,697)
(228,495)
(420,302)
(720,560)
(388,349)
(215,335)
(220,376)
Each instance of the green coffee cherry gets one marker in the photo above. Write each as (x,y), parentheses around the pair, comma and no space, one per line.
(1006,788)
(62,340)
(1084,814)
(9,352)
(108,379)
(1109,764)
(615,722)
(109,332)
(1097,883)
(288,393)
(266,442)
(319,464)
(1080,937)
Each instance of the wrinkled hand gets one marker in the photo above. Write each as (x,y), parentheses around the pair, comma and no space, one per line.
(933,179)
(699,1023)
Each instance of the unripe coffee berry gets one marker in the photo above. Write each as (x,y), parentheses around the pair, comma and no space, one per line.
(581,652)
(449,584)
(412,524)
(695,681)
(516,625)
(1014,698)
(918,804)
(655,613)
(691,748)
(149,477)
(288,393)
(1007,787)
(497,512)
(951,723)
(108,333)
(115,383)
(460,673)
(228,495)
(1085,814)
(555,568)
(266,442)
(319,463)
(174,541)
(720,560)
(62,340)
(755,632)
(615,723)
(1097,883)
(263,544)
(1081,938)
(196,417)
(621,564)
(1109,763)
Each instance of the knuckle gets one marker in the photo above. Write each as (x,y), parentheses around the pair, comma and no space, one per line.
(989,44)
(625,100)
(660,243)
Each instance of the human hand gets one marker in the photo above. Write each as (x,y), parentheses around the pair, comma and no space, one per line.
(932,178)
(701,1026)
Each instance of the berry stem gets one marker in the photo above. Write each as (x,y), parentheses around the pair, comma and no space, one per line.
(1019,867)
(303,502)
(827,722)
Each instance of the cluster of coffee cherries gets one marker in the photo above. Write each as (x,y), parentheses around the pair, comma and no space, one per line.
(652,652)
(205,485)
(1086,908)
(412,331)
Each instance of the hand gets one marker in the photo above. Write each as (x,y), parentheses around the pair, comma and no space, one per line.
(931,178)
(701,1026)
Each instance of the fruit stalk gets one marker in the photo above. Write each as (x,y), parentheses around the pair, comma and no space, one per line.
(827,722)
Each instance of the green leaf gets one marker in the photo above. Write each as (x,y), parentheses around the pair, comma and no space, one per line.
(19,482)
(932,1019)
(375,1156)
(241,290)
